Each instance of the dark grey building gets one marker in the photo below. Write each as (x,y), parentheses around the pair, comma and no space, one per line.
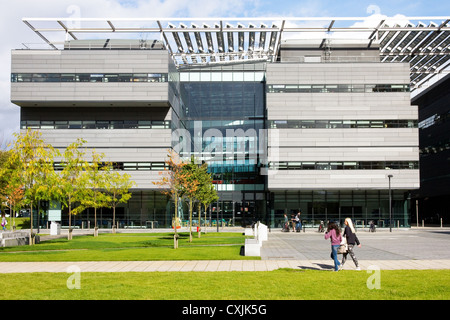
(433,197)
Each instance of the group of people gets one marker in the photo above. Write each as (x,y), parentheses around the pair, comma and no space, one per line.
(295,223)
(334,234)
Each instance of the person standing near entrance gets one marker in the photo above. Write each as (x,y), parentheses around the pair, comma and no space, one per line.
(334,234)
(293,222)
(352,239)
(298,226)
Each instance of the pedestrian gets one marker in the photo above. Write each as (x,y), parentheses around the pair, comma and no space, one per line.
(286,223)
(293,222)
(298,226)
(352,239)
(4,222)
(334,234)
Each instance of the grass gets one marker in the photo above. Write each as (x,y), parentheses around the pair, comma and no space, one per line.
(282,284)
(21,223)
(131,247)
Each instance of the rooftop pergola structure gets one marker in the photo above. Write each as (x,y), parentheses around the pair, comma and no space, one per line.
(424,42)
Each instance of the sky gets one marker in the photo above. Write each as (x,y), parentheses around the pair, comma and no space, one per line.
(13,32)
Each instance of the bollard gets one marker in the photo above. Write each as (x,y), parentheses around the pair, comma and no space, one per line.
(441,222)
(422,224)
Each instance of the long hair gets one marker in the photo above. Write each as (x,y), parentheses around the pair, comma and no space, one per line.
(333,225)
(350,224)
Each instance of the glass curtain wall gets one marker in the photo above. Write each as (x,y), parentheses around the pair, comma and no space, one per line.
(362,206)
(224,113)
(145,209)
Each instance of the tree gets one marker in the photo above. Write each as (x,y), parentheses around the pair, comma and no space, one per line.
(14,200)
(96,198)
(11,191)
(171,185)
(116,187)
(190,186)
(5,178)
(4,170)
(70,185)
(208,194)
(33,160)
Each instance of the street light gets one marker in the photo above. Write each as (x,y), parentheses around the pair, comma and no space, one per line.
(390,203)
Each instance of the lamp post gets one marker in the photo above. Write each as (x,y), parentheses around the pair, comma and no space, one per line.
(390,204)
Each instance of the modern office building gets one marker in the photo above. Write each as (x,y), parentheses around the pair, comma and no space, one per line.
(324,126)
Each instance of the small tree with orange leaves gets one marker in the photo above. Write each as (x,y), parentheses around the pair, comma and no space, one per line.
(191,185)
(14,202)
(172,184)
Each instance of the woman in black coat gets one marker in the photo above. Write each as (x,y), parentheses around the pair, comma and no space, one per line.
(352,239)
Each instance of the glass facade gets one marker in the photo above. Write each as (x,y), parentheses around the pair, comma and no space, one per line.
(89,77)
(362,206)
(224,110)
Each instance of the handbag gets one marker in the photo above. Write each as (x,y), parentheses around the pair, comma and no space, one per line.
(343,246)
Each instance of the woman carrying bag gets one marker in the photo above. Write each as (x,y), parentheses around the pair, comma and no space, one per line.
(352,239)
(336,238)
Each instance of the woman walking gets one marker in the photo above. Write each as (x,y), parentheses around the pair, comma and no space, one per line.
(352,239)
(334,234)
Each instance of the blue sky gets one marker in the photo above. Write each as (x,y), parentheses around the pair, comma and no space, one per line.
(13,31)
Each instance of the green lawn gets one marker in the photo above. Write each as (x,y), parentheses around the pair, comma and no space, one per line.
(132,247)
(280,284)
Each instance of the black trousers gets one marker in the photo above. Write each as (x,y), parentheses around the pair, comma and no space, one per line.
(352,254)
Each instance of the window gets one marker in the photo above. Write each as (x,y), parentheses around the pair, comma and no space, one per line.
(157,77)
(61,125)
(39,77)
(88,124)
(144,124)
(96,77)
(54,77)
(304,88)
(332,88)
(83,77)
(127,124)
(291,88)
(361,165)
(140,77)
(47,125)
(308,165)
(111,78)
(68,77)
(337,88)
(318,88)
(334,124)
(115,124)
(358,88)
(125,77)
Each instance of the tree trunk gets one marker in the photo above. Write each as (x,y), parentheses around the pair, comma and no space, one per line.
(206,230)
(190,220)
(69,235)
(199,219)
(31,225)
(95,223)
(175,235)
(114,220)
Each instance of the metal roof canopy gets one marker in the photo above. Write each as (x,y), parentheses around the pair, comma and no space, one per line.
(226,40)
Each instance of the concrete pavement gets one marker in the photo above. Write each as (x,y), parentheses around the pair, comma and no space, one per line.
(416,248)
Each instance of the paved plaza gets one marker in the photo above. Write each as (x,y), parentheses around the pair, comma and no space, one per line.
(415,248)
